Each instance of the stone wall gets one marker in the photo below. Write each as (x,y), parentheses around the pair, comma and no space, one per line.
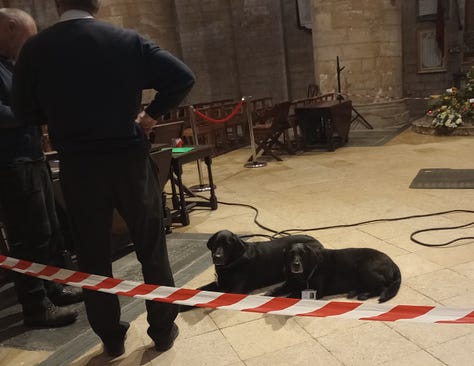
(235,47)
(366,35)
(421,85)
(469,27)
(245,47)
(298,46)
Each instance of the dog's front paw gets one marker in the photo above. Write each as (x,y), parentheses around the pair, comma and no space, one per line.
(351,294)
(363,296)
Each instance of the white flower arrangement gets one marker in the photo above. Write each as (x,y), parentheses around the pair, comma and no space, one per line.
(447,117)
(454,107)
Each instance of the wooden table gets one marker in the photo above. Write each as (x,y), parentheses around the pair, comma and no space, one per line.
(183,198)
(325,124)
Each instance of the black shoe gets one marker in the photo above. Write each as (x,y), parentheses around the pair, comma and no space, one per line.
(51,317)
(66,296)
(165,343)
(116,347)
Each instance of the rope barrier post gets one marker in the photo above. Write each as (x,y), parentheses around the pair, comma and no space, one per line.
(254,163)
(201,187)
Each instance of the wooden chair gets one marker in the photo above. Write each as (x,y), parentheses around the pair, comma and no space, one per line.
(269,126)
(164,133)
(293,120)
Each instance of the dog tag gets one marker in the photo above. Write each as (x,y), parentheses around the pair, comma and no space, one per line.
(308,294)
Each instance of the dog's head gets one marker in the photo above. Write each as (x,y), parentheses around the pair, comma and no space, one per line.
(301,259)
(226,247)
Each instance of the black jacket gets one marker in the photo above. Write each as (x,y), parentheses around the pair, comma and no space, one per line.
(17,143)
(84,78)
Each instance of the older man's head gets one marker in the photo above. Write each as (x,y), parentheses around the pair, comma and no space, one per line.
(16,26)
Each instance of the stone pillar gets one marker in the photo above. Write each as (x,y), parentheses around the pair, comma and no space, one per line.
(208,46)
(260,48)
(155,20)
(367,37)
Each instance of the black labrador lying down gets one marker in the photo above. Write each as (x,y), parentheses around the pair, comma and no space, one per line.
(242,267)
(359,272)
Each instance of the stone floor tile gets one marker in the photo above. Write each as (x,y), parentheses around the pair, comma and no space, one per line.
(370,344)
(457,352)
(413,264)
(303,354)
(449,256)
(194,323)
(204,350)
(409,245)
(440,285)
(229,318)
(263,336)
(409,296)
(420,358)
(319,327)
(465,269)
(429,335)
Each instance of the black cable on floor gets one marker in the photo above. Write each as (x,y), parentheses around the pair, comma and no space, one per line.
(288,232)
(439,229)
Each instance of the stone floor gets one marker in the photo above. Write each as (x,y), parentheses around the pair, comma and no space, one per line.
(316,189)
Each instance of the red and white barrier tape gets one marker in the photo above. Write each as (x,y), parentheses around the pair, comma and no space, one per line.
(248,303)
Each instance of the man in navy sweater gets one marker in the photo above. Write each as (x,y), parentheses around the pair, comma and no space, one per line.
(84,78)
(26,196)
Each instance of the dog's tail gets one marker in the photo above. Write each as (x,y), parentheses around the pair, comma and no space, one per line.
(392,289)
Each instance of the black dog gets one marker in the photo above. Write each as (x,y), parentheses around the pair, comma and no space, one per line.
(359,272)
(242,267)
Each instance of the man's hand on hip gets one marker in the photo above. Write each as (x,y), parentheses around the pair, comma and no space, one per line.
(146,122)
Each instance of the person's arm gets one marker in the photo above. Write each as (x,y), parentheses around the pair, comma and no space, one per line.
(168,75)
(7,119)
(24,100)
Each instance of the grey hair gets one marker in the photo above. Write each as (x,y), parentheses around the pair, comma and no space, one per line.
(91,6)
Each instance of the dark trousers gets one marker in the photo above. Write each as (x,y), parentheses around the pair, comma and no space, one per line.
(93,186)
(31,225)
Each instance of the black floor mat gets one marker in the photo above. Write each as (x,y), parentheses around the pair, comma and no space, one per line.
(444,179)
(188,255)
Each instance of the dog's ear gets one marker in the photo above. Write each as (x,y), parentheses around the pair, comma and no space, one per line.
(211,243)
(314,254)
(284,254)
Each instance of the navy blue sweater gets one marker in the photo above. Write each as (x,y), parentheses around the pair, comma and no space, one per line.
(17,143)
(84,78)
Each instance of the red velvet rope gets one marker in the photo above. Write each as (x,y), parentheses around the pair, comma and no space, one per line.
(222,120)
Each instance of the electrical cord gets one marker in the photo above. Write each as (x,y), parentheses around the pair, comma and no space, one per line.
(288,232)
(439,229)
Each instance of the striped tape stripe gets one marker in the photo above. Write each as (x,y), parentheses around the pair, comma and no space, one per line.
(202,297)
(439,315)
(401,312)
(248,303)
